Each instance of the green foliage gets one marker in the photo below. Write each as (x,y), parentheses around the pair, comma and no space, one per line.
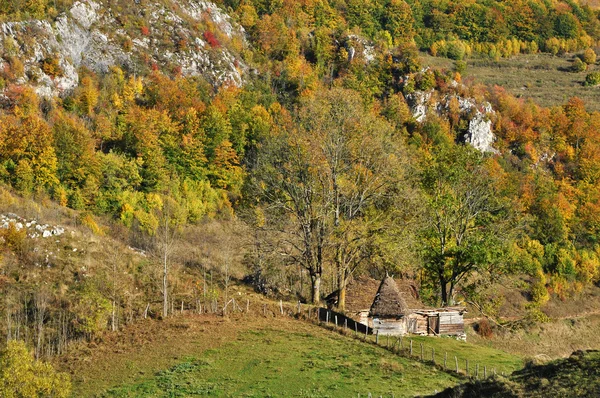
(578,65)
(466,224)
(23,377)
(592,79)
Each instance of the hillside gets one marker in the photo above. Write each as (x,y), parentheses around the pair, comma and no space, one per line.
(576,376)
(256,355)
(184,156)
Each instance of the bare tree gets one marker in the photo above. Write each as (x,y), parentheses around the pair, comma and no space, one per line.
(170,217)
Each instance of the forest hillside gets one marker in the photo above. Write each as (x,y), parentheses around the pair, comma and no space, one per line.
(154,154)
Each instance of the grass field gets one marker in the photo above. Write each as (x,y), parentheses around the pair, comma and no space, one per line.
(259,356)
(307,362)
(577,376)
(541,77)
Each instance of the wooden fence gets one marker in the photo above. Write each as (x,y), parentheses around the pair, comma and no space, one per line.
(400,345)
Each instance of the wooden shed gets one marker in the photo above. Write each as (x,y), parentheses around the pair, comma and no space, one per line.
(396,309)
(389,309)
(446,321)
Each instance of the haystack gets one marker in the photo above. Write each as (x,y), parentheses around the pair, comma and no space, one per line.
(388,302)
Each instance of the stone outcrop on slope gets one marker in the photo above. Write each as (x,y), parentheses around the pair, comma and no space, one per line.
(90,34)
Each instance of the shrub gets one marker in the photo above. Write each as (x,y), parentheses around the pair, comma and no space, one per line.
(460,66)
(211,39)
(592,79)
(578,65)
(484,329)
(589,56)
(13,238)
(51,67)
(22,376)
(456,50)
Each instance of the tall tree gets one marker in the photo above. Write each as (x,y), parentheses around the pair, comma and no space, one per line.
(362,162)
(328,180)
(466,221)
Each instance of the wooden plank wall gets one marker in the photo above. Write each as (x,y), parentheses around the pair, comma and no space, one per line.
(392,327)
(451,323)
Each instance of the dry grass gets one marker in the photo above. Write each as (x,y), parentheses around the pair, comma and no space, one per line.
(555,339)
(541,77)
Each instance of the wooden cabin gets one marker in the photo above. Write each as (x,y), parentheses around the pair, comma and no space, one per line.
(397,310)
(389,310)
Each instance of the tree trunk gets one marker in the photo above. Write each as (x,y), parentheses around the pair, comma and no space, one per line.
(444,291)
(113,324)
(341,304)
(316,289)
(165,295)
(342,298)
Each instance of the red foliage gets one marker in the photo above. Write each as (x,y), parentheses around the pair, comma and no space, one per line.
(211,39)
(145,30)
(154,66)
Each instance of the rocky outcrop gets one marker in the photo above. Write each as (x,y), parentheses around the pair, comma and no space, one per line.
(90,35)
(479,133)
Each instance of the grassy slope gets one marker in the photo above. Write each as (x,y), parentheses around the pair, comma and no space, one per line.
(541,77)
(476,354)
(255,356)
(576,376)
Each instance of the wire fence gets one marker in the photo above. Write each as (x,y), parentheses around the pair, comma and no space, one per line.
(405,346)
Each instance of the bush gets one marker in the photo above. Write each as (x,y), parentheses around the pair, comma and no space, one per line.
(22,376)
(592,79)
(51,67)
(211,39)
(589,56)
(484,329)
(456,50)
(460,66)
(578,65)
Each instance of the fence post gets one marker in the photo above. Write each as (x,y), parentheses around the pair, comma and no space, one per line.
(445,360)
(346,324)
(355,328)
(327,317)
(411,351)
(336,324)
(401,342)
(281,306)
(485,371)
(477,371)
(456,363)
(309,313)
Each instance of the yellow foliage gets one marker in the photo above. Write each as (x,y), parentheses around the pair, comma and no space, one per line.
(22,376)
(88,220)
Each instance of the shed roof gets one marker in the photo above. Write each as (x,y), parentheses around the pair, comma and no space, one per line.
(388,300)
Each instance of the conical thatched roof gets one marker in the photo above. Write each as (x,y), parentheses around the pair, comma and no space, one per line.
(388,300)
